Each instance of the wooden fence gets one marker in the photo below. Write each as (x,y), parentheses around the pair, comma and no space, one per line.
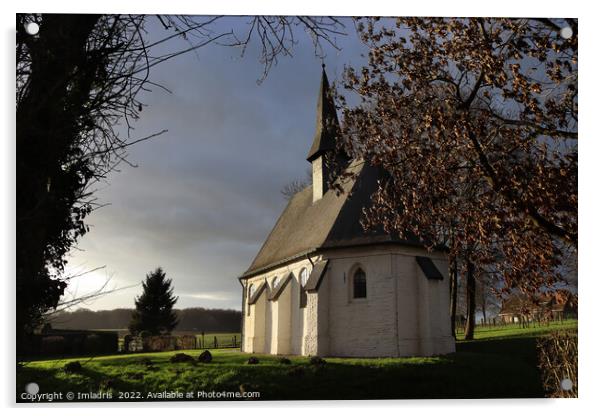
(522,322)
(217,341)
(199,341)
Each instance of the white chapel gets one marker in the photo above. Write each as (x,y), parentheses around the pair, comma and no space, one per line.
(322,285)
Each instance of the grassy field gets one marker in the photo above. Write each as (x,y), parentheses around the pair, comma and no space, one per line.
(501,362)
(515,330)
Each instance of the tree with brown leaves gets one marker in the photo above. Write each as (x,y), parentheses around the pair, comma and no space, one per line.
(475,122)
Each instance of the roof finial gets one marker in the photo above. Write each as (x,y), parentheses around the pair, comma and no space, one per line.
(327,122)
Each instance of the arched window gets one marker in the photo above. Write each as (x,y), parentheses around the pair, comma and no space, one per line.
(303,277)
(275,282)
(359,284)
(251,290)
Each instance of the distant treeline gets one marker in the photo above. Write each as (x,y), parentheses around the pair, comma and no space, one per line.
(190,319)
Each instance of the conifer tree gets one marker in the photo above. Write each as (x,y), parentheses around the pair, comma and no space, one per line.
(154,308)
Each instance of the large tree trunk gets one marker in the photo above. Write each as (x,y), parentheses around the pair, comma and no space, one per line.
(470,301)
(47,128)
(453,293)
(484,301)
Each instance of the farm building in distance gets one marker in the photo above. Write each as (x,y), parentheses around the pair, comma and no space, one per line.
(520,308)
(322,285)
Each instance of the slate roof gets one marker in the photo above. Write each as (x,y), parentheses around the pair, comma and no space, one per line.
(315,278)
(277,291)
(262,286)
(332,221)
(327,123)
(429,269)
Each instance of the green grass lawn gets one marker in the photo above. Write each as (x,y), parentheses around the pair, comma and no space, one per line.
(501,362)
(515,330)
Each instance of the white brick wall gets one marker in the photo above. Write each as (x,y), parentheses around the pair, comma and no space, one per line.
(404,313)
(283,336)
(362,327)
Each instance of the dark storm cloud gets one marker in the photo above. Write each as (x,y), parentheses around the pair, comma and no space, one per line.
(207,193)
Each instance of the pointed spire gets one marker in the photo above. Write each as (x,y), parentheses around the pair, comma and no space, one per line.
(327,123)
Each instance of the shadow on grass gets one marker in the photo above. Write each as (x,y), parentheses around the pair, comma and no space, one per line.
(88,380)
(500,368)
(520,353)
(522,349)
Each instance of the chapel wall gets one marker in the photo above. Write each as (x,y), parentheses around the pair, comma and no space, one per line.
(361,327)
(404,314)
(266,321)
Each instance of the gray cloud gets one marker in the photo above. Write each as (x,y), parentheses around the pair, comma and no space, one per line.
(206,194)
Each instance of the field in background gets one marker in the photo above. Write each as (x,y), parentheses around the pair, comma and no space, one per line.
(124,332)
(501,362)
(206,341)
(516,330)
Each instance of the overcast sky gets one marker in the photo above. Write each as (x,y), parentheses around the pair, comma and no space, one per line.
(206,194)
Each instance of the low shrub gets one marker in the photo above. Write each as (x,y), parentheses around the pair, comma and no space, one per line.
(558,363)
(284,360)
(253,360)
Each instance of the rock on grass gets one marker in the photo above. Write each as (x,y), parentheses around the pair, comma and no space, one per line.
(205,357)
(181,358)
(73,367)
(317,361)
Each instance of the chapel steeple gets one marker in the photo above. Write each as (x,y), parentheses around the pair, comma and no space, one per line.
(322,152)
(327,122)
